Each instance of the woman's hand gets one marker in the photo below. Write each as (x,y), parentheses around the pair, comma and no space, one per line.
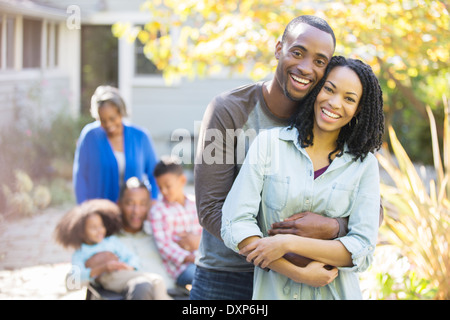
(266,250)
(316,274)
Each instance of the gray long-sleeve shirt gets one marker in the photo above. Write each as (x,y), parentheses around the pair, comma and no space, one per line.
(230,123)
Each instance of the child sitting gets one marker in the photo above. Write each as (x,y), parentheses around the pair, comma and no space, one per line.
(89,229)
(174,222)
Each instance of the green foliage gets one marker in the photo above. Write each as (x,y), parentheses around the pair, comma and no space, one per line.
(393,277)
(407,43)
(417,215)
(41,150)
(411,288)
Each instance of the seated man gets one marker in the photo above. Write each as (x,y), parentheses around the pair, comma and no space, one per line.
(139,288)
(136,234)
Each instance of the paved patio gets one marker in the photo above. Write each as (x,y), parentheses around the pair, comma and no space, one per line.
(32,265)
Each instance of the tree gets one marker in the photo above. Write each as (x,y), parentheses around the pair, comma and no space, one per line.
(406,42)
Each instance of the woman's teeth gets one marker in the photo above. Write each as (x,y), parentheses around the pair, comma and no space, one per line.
(330,114)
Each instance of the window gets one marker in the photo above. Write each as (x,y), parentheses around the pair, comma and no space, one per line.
(1,42)
(143,66)
(36,43)
(10,36)
(32,30)
(7,34)
(52,45)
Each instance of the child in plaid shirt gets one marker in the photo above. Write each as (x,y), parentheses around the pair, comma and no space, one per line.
(175,222)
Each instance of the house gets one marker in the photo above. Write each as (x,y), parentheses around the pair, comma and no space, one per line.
(54,53)
(39,64)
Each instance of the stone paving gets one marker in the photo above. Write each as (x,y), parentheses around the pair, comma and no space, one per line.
(32,265)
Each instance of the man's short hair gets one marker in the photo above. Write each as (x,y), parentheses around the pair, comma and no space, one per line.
(313,21)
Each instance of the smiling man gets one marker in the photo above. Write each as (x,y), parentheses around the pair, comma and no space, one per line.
(135,203)
(303,53)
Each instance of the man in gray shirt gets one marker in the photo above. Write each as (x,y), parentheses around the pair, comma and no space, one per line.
(230,123)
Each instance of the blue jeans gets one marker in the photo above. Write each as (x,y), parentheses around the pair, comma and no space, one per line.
(187,276)
(221,285)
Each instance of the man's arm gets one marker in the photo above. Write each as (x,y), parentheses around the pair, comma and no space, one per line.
(312,225)
(214,172)
(104,261)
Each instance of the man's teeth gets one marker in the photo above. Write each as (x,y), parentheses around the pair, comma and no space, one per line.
(330,114)
(303,81)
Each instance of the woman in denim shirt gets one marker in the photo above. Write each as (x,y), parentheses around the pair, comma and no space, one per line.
(324,163)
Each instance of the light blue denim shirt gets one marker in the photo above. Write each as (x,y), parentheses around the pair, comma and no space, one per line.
(276,181)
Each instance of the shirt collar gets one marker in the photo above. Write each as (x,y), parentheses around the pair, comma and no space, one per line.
(146,230)
(291,134)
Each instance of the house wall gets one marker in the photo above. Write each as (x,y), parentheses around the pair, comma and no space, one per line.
(29,95)
(165,110)
(160,108)
(53,85)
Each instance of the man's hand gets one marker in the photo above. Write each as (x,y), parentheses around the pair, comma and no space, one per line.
(111,266)
(105,261)
(307,224)
(100,259)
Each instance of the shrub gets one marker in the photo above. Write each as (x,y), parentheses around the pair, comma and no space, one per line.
(417,215)
(25,199)
(41,150)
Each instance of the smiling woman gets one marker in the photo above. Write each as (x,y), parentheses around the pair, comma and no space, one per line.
(323,164)
(338,100)
(111,150)
(346,98)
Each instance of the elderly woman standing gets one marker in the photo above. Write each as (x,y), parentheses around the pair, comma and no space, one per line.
(110,150)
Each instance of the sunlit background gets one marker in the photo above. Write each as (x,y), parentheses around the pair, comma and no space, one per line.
(170,58)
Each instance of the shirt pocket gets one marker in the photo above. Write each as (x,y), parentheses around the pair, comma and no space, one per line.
(341,199)
(275,192)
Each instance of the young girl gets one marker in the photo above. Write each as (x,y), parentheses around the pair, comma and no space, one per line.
(89,228)
(323,164)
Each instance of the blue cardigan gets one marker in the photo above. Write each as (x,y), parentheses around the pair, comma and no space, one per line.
(95,169)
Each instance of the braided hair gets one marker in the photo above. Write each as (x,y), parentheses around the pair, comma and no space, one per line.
(363,134)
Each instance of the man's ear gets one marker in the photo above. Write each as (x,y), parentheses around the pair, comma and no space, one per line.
(278,48)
